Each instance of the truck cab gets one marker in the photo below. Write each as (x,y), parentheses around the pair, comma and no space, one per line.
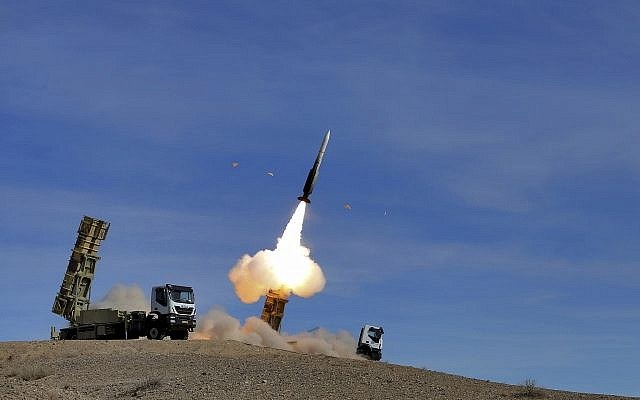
(370,342)
(172,313)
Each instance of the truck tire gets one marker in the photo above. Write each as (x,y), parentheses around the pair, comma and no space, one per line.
(155,333)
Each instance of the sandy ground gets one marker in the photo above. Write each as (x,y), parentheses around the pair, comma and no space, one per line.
(204,369)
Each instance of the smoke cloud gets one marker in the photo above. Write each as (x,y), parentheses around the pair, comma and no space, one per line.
(122,297)
(218,325)
(289,268)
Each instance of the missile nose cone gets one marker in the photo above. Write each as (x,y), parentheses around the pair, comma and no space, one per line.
(325,141)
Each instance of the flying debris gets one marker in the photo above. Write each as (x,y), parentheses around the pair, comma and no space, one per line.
(234,164)
(313,173)
(347,206)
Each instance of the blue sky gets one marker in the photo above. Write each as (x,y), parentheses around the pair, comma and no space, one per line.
(500,139)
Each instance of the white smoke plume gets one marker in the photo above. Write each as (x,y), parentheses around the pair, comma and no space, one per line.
(288,268)
(122,297)
(218,325)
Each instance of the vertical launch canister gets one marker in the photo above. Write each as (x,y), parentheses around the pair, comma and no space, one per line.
(273,310)
(75,289)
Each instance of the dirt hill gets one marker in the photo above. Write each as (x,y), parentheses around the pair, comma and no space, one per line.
(204,369)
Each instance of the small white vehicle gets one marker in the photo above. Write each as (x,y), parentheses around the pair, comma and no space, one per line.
(370,342)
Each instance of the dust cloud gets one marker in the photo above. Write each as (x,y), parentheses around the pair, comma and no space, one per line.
(218,325)
(122,297)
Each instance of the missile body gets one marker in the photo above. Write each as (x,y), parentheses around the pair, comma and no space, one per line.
(313,172)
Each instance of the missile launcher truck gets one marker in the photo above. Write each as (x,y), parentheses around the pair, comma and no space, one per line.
(370,342)
(173,307)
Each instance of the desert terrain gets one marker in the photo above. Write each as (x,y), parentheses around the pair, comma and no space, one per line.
(211,369)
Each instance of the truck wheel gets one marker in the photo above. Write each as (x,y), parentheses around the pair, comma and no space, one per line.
(155,333)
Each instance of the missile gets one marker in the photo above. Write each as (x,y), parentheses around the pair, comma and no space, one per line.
(313,172)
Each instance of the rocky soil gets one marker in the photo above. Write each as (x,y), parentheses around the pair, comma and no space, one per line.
(199,369)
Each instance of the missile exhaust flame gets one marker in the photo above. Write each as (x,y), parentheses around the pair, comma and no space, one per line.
(287,269)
